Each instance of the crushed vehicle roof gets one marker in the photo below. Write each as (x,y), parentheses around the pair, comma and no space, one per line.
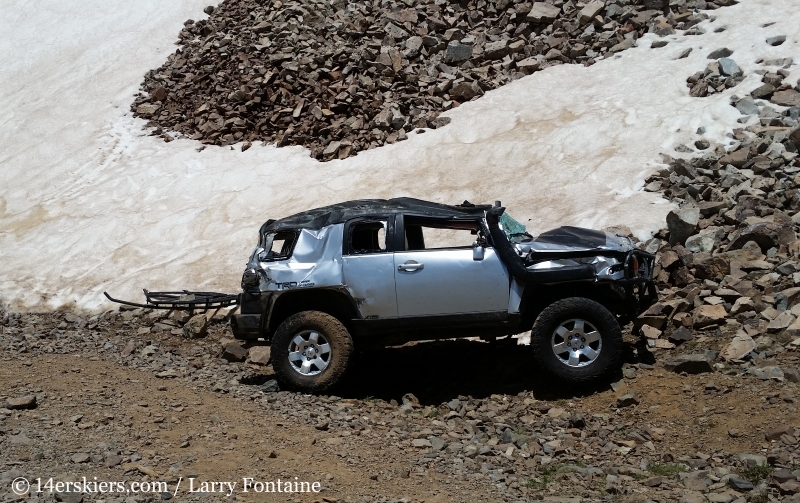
(318,218)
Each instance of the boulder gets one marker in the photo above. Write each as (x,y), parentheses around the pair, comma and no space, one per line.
(737,158)
(747,106)
(781,322)
(786,98)
(495,50)
(741,345)
(543,13)
(628,399)
(259,355)
(702,242)
(456,52)
(20,403)
(196,327)
(763,91)
(771,372)
(708,315)
(650,332)
(766,234)
(776,40)
(793,330)
(590,11)
(691,364)
(681,335)
(720,53)
(682,223)
(233,352)
(742,305)
(795,137)
(727,66)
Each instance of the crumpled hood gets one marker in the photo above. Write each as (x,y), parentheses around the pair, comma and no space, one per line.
(577,239)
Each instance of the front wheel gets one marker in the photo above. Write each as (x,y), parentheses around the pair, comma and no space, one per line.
(577,340)
(311,351)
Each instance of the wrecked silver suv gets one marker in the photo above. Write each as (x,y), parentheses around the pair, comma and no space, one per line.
(385,272)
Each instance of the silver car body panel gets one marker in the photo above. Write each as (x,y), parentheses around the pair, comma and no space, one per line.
(614,242)
(370,280)
(602,266)
(450,281)
(315,262)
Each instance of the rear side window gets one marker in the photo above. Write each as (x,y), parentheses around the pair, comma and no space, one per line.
(278,246)
(367,237)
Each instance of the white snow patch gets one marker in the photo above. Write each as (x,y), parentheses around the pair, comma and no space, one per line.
(89,203)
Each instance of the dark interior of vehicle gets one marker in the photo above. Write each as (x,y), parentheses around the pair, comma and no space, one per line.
(365,238)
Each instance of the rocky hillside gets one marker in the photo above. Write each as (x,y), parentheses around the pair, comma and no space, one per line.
(727,262)
(341,77)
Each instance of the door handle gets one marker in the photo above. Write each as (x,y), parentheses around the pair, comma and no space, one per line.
(411,266)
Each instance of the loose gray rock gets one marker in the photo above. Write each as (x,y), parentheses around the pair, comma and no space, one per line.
(777,40)
(628,400)
(80,457)
(773,372)
(196,327)
(270,386)
(682,223)
(456,53)
(729,67)
(259,355)
(542,13)
(747,106)
(234,352)
(786,98)
(23,402)
(741,345)
(691,364)
(720,53)
(763,91)
(740,484)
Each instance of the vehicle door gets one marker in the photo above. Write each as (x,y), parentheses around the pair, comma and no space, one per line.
(437,273)
(368,265)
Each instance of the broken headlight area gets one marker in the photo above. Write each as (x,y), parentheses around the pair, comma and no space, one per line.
(250,280)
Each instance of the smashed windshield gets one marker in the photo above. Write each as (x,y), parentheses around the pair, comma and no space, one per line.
(514,230)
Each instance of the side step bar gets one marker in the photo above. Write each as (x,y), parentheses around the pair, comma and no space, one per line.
(182,300)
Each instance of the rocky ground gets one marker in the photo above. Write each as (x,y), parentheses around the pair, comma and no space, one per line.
(133,396)
(340,77)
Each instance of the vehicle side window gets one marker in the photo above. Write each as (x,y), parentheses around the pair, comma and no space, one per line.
(279,246)
(368,237)
(433,234)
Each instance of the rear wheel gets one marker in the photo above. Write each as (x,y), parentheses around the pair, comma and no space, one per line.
(577,340)
(311,351)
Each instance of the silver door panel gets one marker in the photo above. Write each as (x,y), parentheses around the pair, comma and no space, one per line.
(370,281)
(441,282)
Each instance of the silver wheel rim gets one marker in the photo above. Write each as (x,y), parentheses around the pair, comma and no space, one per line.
(576,343)
(309,353)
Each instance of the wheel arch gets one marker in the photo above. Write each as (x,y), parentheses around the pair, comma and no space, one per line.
(536,298)
(326,300)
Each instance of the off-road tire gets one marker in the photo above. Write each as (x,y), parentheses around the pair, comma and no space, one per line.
(331,329)
(607,361)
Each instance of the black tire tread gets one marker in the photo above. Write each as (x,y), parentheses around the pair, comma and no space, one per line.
(341,346)
(610,358)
